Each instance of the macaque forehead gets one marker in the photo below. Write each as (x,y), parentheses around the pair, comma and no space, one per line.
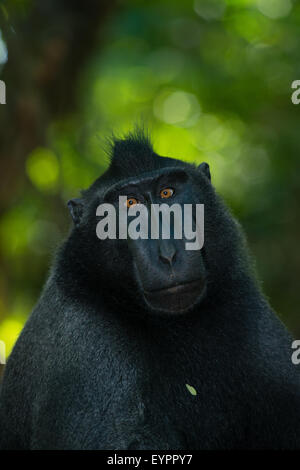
(148,181)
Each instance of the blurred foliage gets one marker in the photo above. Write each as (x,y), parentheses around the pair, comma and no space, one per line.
(212,81)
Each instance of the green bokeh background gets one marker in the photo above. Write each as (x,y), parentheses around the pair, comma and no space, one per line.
(212,81)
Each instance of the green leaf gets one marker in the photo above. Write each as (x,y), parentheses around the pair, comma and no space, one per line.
(191,389)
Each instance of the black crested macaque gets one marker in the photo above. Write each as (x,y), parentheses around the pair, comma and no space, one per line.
(142,344)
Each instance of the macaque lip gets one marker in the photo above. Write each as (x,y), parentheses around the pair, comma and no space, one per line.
(176,288)
(177,298)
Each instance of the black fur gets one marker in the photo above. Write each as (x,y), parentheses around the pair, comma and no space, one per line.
(95,368)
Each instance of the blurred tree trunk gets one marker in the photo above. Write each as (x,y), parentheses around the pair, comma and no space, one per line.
(48,45)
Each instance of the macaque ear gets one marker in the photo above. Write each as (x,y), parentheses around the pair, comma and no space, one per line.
(204,168)
(76,210)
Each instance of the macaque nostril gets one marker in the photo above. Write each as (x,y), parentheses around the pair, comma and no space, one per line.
(167,254)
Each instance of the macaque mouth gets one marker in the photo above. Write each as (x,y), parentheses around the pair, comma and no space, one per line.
(177,288)
(177,298)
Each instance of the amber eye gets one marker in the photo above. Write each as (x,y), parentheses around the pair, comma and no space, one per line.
(167,192)
(131,201)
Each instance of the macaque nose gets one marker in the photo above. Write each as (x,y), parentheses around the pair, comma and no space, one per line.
(167,252)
